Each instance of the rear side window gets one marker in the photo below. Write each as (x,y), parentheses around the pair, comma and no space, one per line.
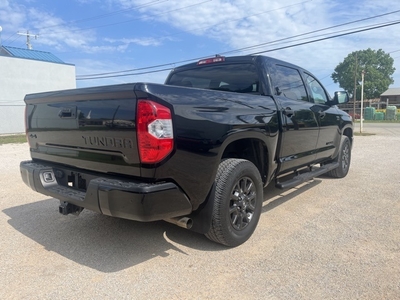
(238,78)
(287,82)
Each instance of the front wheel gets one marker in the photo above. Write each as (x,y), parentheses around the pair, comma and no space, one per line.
(343,158)
(237,202)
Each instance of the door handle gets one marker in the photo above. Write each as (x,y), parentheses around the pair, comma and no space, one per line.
(322,114)
(288,112)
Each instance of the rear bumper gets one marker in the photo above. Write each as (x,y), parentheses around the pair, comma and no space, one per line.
(132,200)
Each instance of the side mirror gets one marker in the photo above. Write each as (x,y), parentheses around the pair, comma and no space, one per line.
(340,98)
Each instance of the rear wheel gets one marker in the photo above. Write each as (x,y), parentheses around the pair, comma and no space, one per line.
(237,202)
(343,158)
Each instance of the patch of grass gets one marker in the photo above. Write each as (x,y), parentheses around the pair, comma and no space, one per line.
(12,139)
(363,134)
(377,121)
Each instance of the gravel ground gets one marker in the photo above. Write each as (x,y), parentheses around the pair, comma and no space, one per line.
(327,239)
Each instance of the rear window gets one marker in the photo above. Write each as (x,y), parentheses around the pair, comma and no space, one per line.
(238,78)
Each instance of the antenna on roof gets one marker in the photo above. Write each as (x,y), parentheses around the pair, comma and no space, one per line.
(28,40)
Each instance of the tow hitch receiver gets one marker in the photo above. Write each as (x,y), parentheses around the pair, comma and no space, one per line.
(66,208)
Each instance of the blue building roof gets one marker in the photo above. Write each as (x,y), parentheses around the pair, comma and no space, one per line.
(30,54)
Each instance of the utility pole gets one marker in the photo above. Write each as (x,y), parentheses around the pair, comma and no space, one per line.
(28,38)
(362,100)
(355,89)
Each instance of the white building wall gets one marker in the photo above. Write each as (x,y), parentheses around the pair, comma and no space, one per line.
(19,77)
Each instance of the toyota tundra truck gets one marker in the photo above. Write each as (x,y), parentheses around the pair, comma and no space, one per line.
(197,151)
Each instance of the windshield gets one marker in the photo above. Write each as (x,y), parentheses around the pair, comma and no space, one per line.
(238,78)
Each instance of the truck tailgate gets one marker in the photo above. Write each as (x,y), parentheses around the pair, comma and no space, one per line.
(85,128)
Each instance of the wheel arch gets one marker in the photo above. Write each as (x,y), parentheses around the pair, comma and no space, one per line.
(253,149)
(348,131)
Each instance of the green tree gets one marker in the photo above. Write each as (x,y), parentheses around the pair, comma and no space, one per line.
(378,67)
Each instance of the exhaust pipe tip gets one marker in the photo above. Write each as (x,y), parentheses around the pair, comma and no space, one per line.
(183,222)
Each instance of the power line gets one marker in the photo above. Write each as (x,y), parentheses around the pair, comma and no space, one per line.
(302,39)
(17,37)
(137,69)
(109,74)
(11,37)
(260,52)
(329,37)
(311,32)
(122,75)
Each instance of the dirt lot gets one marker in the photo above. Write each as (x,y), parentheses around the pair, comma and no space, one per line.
(327,239)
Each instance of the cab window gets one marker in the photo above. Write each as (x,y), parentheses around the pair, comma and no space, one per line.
(288,83)
(238,78)
(318,94)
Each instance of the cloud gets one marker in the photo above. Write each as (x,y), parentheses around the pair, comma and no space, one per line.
(11,15)
(60,34)
(125,42)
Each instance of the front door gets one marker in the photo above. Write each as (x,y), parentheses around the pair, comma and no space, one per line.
(327,117)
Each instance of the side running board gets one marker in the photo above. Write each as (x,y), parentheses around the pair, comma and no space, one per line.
(298,179)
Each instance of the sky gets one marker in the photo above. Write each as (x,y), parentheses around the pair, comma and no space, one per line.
(141,37)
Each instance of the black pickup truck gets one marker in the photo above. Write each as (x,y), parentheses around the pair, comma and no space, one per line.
(196,151)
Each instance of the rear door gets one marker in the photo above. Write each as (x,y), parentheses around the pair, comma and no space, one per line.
(300,126)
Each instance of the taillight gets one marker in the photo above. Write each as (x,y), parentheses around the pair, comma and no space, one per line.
(154,131)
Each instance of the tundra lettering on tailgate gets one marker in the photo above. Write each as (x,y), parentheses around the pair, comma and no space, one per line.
(107,141)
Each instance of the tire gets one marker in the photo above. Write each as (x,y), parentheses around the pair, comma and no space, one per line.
(237,202)
(344,159)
